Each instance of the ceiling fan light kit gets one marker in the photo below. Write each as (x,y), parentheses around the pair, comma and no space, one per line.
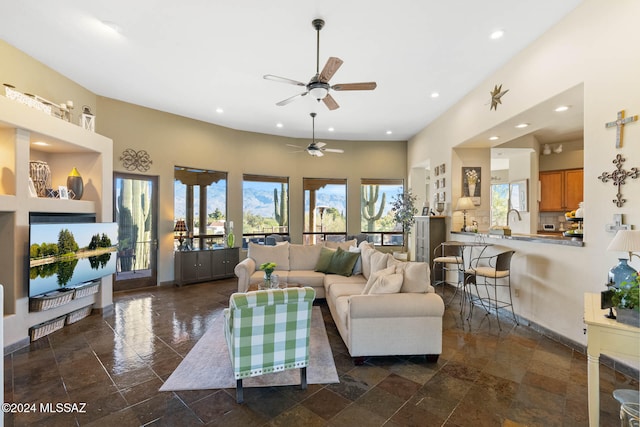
(319,87)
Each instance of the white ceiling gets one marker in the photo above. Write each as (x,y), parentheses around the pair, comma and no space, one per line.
(190,58)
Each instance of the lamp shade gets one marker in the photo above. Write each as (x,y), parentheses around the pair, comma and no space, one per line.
(625,241)
(181,227)
(465,203)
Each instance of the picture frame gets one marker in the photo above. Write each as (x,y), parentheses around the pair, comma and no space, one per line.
(442,183)
(63,192)
(32,189)
(425,211)
(436,171)
(519,195)
(442,168)
(471,183)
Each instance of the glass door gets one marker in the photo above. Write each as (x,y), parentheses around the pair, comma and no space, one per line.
(135,208)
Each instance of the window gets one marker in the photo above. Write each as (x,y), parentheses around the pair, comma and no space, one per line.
(200,198)
(265,201)
(499,204)
(376,217)
(325,209)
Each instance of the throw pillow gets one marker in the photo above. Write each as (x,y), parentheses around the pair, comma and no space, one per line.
(389,284)
(357,268)
(324,260)
(303,257)
(375,277)
(278,254)
(378,261)
(416,277)
(342,262)
(366,252)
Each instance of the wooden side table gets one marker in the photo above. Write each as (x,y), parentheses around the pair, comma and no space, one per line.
(604,336)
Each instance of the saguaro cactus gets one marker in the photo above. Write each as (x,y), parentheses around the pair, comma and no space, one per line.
(368,203)
(280,206)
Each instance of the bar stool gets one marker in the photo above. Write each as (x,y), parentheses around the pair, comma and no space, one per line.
(448,258)
(495,272)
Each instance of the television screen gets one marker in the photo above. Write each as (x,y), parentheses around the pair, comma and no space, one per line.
(66,255)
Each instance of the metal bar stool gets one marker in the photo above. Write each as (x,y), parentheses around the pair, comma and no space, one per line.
(448,258)
(495,273)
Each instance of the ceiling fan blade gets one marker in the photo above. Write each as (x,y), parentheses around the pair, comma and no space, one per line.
(355,86)
(320,144)
(330,102)
(333,150)
(283,80)
(294,146)
(289,100)
(330,68)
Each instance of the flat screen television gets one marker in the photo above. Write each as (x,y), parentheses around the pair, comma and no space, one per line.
(66,255)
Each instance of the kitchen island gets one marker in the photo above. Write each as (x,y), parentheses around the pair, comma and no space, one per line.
(555,239)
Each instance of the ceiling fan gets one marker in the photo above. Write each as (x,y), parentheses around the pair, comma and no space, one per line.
(319,85)
(317,149)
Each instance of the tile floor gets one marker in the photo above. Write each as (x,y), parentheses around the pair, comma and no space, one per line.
(116,364)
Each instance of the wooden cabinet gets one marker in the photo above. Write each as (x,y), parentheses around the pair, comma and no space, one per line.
(201,266)
(430,232)
(561,190)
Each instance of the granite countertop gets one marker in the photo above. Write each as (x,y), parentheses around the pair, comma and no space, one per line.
(555,239)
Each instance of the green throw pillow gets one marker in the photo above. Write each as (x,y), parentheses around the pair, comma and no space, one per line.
(324,260)
(342,262)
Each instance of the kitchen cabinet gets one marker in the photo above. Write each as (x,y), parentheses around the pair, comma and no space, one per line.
(561,190)
(430,232)
(204,265)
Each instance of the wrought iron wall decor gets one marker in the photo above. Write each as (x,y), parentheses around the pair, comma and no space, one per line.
(132,160)
(618,176)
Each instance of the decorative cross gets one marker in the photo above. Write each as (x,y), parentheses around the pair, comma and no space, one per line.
(618,176)
(619,124)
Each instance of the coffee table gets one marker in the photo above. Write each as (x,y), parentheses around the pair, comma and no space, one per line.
(254,286)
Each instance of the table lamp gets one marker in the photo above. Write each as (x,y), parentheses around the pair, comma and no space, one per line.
(624,241)
(464,204)
(181,227)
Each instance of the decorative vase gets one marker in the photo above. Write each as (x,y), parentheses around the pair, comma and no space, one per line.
(75,184)
(621,273)
(266,281)
(628,316)
(230,240)
(580,210)
(472,190)
(41,176)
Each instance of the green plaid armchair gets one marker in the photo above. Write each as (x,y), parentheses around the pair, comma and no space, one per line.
(268,331)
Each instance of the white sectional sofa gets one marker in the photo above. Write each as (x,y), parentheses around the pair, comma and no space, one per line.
(387,307)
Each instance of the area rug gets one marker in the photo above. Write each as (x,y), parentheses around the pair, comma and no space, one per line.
(207,365)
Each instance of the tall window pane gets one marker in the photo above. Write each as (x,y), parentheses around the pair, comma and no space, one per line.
(375,204)
(325,209)
(265,201)
(499,203)
(200,198)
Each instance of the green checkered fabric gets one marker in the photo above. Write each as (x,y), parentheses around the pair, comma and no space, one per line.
(268,331)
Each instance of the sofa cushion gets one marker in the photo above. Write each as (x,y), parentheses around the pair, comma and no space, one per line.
(357,268)
(344,245)
(306,278)
(387,284)
(416,276)
(303,257)
(324,259)
(375,276)
(278,254)
(378,261)
(342,262)
(366,250)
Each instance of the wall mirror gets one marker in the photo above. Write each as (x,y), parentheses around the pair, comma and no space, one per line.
(519,195)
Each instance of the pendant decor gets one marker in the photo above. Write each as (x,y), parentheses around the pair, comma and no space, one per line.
(41,176)
(75,184)
(132,160)
(496,97)
(619,124)
(618,176)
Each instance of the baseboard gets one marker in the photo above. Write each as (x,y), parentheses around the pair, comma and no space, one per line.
(17,345)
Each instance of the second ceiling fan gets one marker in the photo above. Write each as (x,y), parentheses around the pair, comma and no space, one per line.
(316,149)
(318,87)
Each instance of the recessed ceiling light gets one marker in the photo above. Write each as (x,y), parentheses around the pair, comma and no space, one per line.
(522,125)
(389,132)
(41,143)
(493,138)
(497,34)
(562,108)
(112,26)
(279,125)
(219,110)
(330,129)
(435,94)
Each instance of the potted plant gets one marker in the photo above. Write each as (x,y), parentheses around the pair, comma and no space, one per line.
(404,212)
(268,268)
(626,300)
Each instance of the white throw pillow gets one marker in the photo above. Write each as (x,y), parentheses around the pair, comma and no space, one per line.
(357,269)
(378,261)
(278,254)
(416,277)
(366,250)
(389,284)
(376,276)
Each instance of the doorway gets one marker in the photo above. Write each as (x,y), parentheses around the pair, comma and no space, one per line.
(135,208)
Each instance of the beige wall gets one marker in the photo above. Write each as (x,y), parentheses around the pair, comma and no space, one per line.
(591,47)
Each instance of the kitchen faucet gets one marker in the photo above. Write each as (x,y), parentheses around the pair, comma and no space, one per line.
(517,213)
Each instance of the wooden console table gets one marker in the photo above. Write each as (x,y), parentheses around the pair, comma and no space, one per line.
(609,337)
